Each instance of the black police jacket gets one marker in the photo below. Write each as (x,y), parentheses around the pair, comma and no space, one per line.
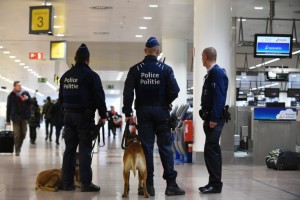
(153,82)
(214,92)
(81,88)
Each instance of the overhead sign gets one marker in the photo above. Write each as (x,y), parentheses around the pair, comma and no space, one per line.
(110,87)
(58,50)
(36,55)
(40,20)
(42,80)
(275,114)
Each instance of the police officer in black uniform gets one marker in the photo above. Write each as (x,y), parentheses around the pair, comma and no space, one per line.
(212,112)
(80,93)
(155,88)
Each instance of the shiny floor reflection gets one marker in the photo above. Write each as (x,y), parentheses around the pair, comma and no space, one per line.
(18,174)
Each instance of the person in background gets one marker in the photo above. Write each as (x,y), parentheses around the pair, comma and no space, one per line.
(113,121)
(47,112)
(213,100)
(34,120)
(18,111)
(57,119)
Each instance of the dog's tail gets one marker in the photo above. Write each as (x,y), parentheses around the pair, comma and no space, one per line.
(133,164)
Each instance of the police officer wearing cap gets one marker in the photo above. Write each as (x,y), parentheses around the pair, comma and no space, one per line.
(212,108)
(155,89)
(81,94)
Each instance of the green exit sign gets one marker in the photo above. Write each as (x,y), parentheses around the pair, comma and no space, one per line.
(42,80)
(110,86)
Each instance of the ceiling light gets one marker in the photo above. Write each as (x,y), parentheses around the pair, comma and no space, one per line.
(12,57)
(47,4)
(243,20)
(55,16)
(101,7)
(1,47)
(32,72)
(40,94)
(258,8)
(296,52)
(26,67)
(60,35)
(153,6)
(29,70)
(138,36)
(22,64)
(51,86)
(26,88)
(294,39)
(294,75)
(17,61)
(143,27)
(148,18)
(237,79)
(6,52)
(56,26)
(253,67)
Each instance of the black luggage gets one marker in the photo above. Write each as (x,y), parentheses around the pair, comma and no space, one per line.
(6,141)
(288,160)
(283,159)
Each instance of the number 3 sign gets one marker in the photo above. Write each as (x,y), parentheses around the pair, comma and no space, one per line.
(40,21)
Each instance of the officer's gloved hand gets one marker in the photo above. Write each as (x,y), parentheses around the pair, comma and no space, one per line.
(102,121)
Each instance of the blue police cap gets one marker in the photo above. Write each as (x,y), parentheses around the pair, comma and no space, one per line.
(82,53)
(152,42)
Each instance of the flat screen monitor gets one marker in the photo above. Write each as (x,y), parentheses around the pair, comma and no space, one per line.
(275,104)
(293,92)
(273,45)
(271,92)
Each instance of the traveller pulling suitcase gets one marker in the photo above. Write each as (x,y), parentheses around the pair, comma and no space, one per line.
(6,140)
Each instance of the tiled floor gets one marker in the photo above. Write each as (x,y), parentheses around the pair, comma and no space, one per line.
(18,174)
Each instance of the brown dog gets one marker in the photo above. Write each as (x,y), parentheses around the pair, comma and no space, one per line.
(134,159)
(51,180)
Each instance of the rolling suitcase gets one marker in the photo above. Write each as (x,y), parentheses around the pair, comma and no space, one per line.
(6,141)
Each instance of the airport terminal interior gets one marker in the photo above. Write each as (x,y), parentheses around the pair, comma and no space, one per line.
(38,42)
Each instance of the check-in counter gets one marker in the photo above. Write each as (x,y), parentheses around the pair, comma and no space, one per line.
(273,128)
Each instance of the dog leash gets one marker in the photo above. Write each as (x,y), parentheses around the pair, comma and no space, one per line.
(126,134)
(98,138)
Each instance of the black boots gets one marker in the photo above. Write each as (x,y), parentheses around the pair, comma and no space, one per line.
(89,188)
(173,189)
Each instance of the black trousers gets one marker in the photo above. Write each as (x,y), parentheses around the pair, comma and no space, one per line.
(212,153)
(32,133)
(48,123)
(111,127)
(57,132)
(152,121)
(77,132)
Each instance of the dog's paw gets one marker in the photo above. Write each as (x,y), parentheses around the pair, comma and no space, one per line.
(147,195)
(124,195)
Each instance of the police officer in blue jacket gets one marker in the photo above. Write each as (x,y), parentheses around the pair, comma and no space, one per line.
(212,107)
(81,94)
(155,89)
